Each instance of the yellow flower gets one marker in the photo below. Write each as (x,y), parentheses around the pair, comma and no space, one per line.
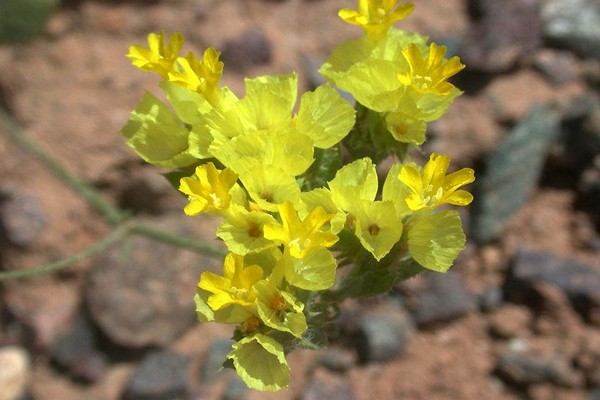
(301,236)
(260,361)
(201,76)
(160,57)
(428,75)
(431,186)
(234,287)
(279,309)
(242,230)
(435,239)
(209,191)
(377,16)
(378,227)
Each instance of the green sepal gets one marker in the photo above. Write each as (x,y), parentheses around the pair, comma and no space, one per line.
(369,277)
(370,137)
(323,169)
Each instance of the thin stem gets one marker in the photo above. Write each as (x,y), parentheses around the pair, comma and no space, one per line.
(112,214)
(177,240)
(117,234)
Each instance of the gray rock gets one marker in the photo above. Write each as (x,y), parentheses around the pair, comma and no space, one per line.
(327,385)
(14,372)
(573,24)
(383,334)
(142,294)
(505,32)
(162,375)
(236,389)
(523,368)
(250,49)
(559,67)
(214,359)
(22,218)
(444,297)
(511,172)
(580,282)
(78,352)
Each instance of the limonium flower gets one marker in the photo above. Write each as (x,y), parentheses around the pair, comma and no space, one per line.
(431,186)
(429,74)
(208,190)
(200,76)
(298,192)
(260,362)
(235,286)
(377,16)
(435,239)
(160,57)
(279,309)
(300,236)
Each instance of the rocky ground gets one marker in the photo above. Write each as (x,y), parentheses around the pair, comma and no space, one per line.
(517,318)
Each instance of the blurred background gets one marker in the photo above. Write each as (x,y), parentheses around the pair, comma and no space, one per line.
(518,316)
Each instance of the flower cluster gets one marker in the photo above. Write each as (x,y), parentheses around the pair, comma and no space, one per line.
(293,209)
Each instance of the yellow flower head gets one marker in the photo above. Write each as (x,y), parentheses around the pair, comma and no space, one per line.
(377,16)
(201,76)
(209,191)
(428,75)
(160,57)
(431,186)
(235,286)
(301,236)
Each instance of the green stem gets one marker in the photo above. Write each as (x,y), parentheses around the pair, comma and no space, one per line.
(117,234)
(176,240)
(112,214)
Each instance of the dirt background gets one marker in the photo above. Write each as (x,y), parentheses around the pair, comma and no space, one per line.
(72,89)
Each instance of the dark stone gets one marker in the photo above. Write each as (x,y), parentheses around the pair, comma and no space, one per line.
(214,359)
(78,353)
(505,32)
(251,49)
(444,297)
(490,299)
(523,369)
(148,192)
(162,375)
(383,334)
(580,282)
(335,360)
(140,293)
(573,24)
(511,172)
(22,218)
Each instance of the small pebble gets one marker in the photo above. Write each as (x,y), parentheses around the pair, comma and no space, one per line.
(14,373)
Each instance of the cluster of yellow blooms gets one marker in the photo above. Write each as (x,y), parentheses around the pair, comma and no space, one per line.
(292,211)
